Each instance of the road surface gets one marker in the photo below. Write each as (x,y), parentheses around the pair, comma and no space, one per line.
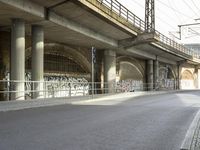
(157,122)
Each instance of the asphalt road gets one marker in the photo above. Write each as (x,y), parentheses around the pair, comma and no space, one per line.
(157,122)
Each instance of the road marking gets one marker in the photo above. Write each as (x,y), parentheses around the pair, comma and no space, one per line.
(189,137)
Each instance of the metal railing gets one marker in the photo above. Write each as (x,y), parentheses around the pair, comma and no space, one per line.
(123,12)
(117,8)
(11,90)
(169,42)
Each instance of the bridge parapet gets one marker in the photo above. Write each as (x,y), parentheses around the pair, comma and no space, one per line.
(123,13)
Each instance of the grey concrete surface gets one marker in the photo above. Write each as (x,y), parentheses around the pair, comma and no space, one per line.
(156,122)
(34,103)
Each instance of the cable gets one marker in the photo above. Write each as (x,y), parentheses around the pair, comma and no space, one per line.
(175,12)
(195,5)
(185,15)
(190,8)
(163,12)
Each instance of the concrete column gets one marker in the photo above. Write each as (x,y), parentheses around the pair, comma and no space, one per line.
(198,78)
(109,70)
(37,60)
(178,77)
(18,58)
(155,74)
(150,75)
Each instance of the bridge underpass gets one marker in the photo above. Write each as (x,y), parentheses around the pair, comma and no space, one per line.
(124,52)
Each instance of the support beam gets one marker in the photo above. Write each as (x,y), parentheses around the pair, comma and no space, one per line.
(156,74)
(109,70)
(141,53)
(26,6)
(67,23)
(37,60)
(150,75)
(198,77)
(17,59)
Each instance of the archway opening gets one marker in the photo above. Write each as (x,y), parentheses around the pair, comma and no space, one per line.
(167,79)
(130,74)
(187,80)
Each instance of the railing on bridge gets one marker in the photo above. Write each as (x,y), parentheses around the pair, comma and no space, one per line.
(117,8)
(55,89)
(123,12)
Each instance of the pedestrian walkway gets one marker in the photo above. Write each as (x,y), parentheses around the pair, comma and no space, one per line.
(25,104)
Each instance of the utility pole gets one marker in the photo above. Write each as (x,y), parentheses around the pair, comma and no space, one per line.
(149,16)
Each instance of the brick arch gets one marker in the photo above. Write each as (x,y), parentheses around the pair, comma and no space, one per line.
(65,51)
(130,62)
(170,70)
(187,79)
(187,75)
(167,78)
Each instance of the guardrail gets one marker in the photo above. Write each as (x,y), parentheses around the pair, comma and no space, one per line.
(122,11)
(166,40)
(11,90)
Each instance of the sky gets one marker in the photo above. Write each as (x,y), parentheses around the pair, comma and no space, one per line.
(169,14)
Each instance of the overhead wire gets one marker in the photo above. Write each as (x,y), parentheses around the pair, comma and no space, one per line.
(190,8)
(195,5)
(174,11)
(142,6)
(185,15)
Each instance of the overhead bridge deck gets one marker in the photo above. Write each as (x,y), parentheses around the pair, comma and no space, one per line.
(104,24)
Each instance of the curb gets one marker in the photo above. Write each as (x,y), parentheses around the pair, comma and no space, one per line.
(189,137)
(36,103)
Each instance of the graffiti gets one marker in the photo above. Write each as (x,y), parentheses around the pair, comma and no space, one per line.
(166,79)
(167,84)
(129,85)
(61,86)
(54,86)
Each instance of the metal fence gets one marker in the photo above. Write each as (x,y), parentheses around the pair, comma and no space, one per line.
(11,90)
(117,8)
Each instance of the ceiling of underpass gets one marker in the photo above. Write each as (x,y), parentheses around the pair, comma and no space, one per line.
(61,34)
(84,18)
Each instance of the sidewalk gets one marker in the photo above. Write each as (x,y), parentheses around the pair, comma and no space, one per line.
(24,104)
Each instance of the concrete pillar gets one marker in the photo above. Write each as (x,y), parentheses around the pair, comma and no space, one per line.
(178,77)
(1,76)
(156,74)
(18,58)
(109,70)
(150,75)
(37,60)
(198,78)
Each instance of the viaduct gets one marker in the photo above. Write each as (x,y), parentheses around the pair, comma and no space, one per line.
(53,38)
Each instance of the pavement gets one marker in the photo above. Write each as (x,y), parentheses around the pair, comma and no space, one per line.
(129,121)
(25,104)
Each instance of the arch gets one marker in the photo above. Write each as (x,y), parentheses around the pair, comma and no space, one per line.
(132,62)
(170,72)
(129,71)
(187,75)
(167,78)
(187,80)
(65,51)
(131,74)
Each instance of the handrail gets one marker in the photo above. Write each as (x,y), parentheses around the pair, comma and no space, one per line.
(122,11)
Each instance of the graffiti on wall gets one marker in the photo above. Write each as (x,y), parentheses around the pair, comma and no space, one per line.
(166,79)
(129,85)
(55,86)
